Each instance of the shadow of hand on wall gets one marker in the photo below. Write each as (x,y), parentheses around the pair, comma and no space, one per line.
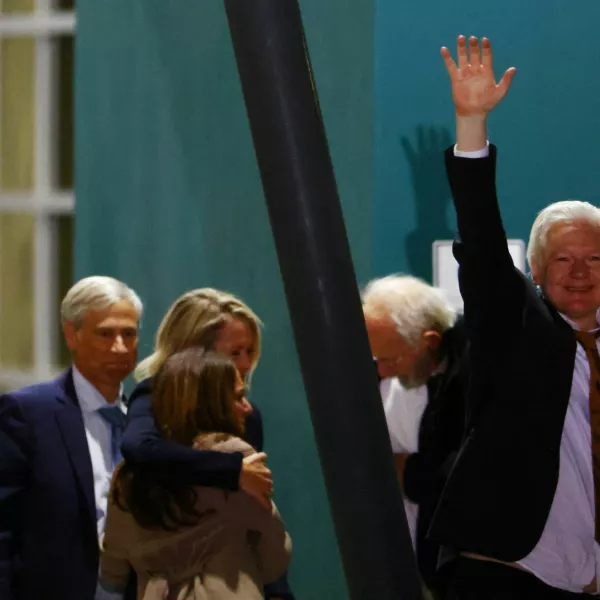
(431,194)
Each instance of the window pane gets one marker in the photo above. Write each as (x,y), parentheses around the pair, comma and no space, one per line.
(16,290)
(17,58)
(65,276)
(14,6)
(65,112)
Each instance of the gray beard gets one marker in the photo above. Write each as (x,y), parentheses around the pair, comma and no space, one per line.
(411,383)
(420,375)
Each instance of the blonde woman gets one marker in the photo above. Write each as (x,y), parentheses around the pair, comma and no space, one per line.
(191,543)
(214,320)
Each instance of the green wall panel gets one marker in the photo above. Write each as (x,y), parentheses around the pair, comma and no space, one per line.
(169,198)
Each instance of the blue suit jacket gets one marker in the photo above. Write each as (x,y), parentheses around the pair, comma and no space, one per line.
(48,535)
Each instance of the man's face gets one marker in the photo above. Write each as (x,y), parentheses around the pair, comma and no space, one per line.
(104,347)
(570,276)
(394,356)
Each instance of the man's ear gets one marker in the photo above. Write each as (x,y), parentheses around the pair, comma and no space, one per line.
(70,333)
(536,274)
(432,339)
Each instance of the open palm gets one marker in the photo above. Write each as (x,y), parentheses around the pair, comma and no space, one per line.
(474,88)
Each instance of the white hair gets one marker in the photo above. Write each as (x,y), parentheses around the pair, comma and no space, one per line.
(413,305)
(559,212)
(96,293)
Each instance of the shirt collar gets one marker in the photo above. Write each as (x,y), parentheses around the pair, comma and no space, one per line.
(90,399)
(577,328)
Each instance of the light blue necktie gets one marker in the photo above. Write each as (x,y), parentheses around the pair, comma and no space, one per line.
(115,417)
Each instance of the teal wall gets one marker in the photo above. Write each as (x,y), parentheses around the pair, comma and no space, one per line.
(169,198)
(547,128)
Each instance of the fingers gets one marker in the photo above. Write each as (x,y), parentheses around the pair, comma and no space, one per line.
(466,55)
(254,458)
(469,54)
(463,59)
(411,155)
(421,139)
(505,82)
(486,53)
(474,57)
(449,61)
(260,470)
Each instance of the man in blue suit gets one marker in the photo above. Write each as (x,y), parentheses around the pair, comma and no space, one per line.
(59,443)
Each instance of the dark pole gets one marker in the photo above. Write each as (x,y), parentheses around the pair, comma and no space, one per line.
(322,295)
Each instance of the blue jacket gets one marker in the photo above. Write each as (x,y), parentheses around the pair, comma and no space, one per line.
(48,532)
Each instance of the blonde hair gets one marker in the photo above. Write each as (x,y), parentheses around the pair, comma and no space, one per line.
(194,320)
(96,293)
(559,212)
(413,305)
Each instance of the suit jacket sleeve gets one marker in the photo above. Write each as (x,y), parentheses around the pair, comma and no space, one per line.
(16,449)
(489,283)
(144,445)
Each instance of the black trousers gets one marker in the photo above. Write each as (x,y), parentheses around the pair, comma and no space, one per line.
(484,580)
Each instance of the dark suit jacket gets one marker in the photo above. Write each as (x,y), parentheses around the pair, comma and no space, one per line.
(48,531)
(440,434)
(144,446)
(521,357)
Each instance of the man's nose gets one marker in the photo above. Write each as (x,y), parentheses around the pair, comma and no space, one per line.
(119,345)
(580,269)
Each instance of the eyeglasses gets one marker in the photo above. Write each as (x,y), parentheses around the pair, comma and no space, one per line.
(387,361)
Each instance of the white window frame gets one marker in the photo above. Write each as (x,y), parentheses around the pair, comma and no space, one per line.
(45,202)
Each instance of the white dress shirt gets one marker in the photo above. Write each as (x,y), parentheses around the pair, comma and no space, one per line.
(99,438)
(403,412)
(567,555)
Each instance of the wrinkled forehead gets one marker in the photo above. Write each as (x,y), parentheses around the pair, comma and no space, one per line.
(568,236)
(118,315)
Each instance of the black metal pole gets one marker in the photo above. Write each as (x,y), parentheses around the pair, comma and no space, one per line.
(322,295)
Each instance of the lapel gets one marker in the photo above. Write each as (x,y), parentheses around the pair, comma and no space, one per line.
(72,429)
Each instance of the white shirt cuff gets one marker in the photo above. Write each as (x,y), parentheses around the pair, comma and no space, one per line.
(483,153)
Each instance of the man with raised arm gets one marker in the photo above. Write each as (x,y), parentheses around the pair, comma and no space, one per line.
(519,508)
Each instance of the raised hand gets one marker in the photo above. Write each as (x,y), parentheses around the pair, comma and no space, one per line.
(474,88)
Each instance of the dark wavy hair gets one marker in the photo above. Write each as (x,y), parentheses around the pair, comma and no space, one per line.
(193,392)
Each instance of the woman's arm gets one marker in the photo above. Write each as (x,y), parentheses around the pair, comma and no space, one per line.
(144,446)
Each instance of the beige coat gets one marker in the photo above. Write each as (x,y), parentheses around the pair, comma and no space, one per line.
(231,552)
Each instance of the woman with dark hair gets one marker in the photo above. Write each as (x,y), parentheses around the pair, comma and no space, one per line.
(219,321)
(192,543)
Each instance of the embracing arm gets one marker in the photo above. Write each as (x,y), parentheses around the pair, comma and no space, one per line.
(16,447)
(145,446)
